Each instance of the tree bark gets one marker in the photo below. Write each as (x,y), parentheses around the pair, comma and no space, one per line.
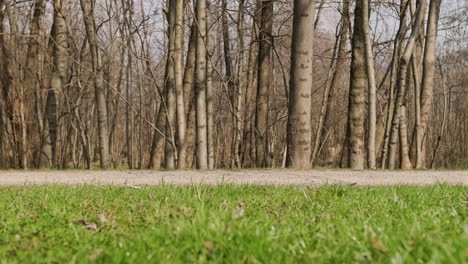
(263,84)
(59,74)
(427,87)
(200,86)
(179,84)
(372,104)
(209,95)
(357,93)
(300,97)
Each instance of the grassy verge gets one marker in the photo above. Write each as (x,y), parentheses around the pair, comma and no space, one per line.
(233,224)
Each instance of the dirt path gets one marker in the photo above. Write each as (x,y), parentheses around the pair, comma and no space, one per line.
(260,177)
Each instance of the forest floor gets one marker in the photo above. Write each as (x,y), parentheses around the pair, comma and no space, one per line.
(255,177)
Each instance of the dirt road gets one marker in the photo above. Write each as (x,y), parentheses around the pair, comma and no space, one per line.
(260,177)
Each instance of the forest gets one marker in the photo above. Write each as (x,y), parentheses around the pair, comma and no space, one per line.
(231,84)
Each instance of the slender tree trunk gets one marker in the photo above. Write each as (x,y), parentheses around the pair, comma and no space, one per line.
(263,85)
(200,85)
(401,83)
(300,97)
(59,74)
(88,7)
(404,149)
(170,100)
(397,52)
(227,51)
(372,103)
(329,126)
(179,82)
(209,96)
(189,96)
(427,87)
(240,86)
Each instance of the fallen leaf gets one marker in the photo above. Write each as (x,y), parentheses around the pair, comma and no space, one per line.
(377,244)
(238,212)
(151,196)
(242,204)
(90,226)
(102,218)
(184,210)
(208,245)
(323,217)
(228,229)
(32,215)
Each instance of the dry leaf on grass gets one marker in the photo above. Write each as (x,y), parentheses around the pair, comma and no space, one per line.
(377,244)
(186,211)
(239,210)
(88,225)
(208,245)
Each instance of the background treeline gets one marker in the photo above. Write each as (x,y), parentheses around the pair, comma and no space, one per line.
(233,84)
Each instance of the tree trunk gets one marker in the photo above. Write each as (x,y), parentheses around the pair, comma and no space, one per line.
(329,124)
(263,84)
(100,96)
(34,58)
(179,82)
(372,104)
(189,96)
(398,50)
(209,96)
(239,117)
(170,100)
(401,83)
(200,86)
(357,93)
(427,87)
(59,74)
(300,98)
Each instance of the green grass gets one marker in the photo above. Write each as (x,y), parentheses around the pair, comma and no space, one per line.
(234,224)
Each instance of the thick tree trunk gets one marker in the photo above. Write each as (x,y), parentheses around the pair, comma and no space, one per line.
(263,84)
(100,96)
(357,94)
(300,98)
